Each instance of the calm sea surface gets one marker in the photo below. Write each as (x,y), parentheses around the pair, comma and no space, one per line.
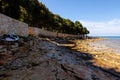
(112,42)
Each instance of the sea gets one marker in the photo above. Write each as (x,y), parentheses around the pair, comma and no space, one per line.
(112,42)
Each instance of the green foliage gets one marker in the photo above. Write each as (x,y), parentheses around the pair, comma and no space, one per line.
(36,14)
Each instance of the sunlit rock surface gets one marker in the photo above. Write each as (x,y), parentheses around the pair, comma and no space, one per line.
(46,59)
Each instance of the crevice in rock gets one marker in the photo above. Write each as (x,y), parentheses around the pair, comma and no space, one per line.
(111,73)
(56,74)
(72,72)
(78,78)
(65,69)
(4,76)
(62,67)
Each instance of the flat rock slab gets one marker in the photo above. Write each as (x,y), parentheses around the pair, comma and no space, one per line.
(43,59)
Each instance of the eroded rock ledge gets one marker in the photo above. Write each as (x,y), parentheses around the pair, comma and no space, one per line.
(46,59)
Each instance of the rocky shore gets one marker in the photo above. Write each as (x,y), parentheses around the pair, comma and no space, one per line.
(55,59)
(103,56)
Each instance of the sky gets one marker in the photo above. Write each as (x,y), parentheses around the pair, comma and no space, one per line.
(100,17)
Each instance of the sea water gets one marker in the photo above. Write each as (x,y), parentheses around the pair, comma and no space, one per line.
(112,42)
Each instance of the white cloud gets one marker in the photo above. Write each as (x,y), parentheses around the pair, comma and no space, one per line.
(111,27)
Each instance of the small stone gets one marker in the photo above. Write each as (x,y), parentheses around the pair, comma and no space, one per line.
(15,45)
(3,50)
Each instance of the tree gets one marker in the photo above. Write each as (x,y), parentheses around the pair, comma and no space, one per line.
(38,15)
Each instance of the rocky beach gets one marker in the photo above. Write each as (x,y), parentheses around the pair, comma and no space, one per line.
(40,58)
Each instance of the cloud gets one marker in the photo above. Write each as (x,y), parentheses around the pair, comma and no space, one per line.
(111,27)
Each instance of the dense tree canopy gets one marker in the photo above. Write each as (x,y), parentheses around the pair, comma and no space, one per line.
(36,14)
